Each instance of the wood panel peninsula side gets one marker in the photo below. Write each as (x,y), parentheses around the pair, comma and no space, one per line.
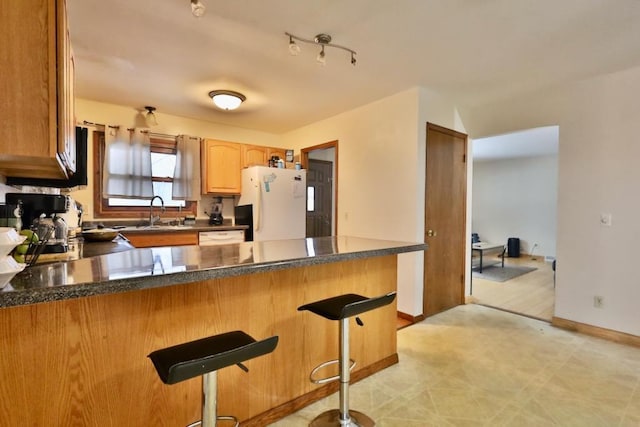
(75,336)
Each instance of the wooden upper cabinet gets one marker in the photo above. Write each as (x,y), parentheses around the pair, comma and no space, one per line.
(223,161)
(37,136)
(254,155)
(274,151)
(66,101)
(221,167)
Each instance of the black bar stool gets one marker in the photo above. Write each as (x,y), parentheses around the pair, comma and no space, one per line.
(204,357)
(341,308)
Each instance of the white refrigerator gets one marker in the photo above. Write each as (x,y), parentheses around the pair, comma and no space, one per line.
(278,197)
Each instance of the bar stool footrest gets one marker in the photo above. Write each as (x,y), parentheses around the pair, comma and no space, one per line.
(219,418)
(324,365)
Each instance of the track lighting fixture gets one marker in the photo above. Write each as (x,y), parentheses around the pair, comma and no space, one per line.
(197,8)
(227,99)
(150,116)
(324,40)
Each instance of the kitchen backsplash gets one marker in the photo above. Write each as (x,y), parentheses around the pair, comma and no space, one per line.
(205,205)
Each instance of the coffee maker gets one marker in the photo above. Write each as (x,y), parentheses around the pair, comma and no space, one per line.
(215,218)
(40,212)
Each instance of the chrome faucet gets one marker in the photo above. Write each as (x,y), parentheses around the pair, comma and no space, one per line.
(153,219)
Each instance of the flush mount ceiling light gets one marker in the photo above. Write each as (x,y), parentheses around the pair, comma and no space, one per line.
(150,116)
(323,40)
(227,99)
(197,8)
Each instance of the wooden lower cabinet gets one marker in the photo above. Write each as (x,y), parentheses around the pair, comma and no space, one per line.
(168,238)
(83,361)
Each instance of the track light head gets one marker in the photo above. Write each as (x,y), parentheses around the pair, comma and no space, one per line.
(197,8)
(294,49)
(321,58)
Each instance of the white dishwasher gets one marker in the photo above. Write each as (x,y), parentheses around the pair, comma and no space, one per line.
(220,237)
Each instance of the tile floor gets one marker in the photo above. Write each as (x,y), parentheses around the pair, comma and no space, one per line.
(477,366)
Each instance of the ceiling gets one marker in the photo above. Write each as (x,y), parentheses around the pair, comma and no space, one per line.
(154,52)
(542,141)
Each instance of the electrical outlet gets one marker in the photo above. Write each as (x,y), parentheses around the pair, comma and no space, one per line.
(605,219)
(598,301)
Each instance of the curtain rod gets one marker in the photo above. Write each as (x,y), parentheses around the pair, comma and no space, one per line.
(88,123)
(161,135)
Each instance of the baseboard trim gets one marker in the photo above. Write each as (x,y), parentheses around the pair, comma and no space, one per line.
(306,399)
(596,331)
(410,318)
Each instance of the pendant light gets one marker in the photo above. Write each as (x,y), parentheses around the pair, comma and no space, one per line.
(150,116)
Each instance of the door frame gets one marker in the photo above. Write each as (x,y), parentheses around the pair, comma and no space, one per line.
(304,160)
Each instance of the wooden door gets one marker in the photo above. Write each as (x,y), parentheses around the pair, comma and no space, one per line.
(319,212)
(445,213)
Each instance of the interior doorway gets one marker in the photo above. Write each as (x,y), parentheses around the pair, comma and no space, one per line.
(321,163)
(445,219)
(514,181)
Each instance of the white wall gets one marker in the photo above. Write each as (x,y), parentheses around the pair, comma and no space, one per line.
(381,178)
(597,173)
(517,198)
(99,112)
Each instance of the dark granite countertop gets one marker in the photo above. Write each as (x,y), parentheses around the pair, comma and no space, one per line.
(165,266)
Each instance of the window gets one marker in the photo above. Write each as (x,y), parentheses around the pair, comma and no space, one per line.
(163,160)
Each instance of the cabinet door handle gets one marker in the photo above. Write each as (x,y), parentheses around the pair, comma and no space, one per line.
(432,233)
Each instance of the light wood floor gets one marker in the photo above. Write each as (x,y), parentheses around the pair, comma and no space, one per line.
(531,294)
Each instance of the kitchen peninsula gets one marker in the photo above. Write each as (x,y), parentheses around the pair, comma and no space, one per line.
(75,336)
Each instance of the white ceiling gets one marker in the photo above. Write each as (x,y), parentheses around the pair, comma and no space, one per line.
(542,141)
(154,52)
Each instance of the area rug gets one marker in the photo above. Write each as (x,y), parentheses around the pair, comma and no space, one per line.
(495,273)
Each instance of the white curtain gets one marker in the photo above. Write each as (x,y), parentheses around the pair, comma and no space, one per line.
(186,176)
(127,164)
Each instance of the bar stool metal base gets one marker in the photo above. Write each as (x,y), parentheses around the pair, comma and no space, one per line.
(341,308)
(331,418)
